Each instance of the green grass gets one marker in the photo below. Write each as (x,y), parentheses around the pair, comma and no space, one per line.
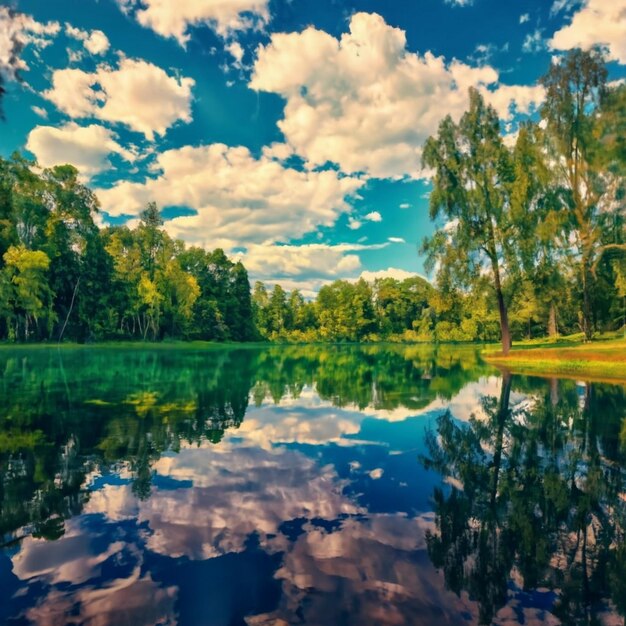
(603,359)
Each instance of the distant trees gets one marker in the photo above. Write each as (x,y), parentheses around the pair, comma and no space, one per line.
(345,311)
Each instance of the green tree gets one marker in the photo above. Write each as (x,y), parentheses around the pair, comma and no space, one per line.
(576,88)
(260,307)
(27,298)
(471,190)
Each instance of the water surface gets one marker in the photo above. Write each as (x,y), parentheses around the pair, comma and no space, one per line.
(306,485)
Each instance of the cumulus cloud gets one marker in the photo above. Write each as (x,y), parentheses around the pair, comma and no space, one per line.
(95,41)
(364,101)
(396,240)
(313,260)
(596,23)
(18,30)
(173,19)
(137,94)
(86,147)
(391,272)
(239,199)
(374,216)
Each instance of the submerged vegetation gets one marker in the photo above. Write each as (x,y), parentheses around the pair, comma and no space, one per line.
(530,242)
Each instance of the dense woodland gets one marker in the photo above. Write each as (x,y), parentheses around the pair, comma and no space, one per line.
(530,241)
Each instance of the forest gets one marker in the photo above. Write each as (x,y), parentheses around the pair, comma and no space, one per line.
(529,241)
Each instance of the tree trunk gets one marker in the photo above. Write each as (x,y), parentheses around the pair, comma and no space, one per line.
(67,318)
(553,328)
(504,317)
(586,314)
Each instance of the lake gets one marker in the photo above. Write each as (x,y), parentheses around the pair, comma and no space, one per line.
(312,485)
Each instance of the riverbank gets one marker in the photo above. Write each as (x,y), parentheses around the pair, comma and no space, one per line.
(570,357)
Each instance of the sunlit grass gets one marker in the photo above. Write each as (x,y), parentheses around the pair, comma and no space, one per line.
(568,356)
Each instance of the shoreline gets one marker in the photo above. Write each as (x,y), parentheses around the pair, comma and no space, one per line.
(599,360)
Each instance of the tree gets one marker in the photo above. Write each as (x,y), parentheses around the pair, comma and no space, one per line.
(471,190)
(277,311)
(242,324)
(260,308)
(537,224)
(576,90)
(27,296)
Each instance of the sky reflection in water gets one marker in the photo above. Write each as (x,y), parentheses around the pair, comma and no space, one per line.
(305,485)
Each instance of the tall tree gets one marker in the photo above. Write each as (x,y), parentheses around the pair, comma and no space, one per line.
(576,87)
(242,327)
(471,190)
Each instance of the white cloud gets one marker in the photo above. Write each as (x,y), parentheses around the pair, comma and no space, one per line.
(137,94)
(18,29)
(598,22)
(460,3)
(562,5)
(40,111)
(95,41)
(278,151)
(524,18)
(396,240)
(354,224)
(364,101)
(534,42)
(239,198)
(306,261)
(405,205)
(521,99)
(173,19)
(236,51)
(374,216)
(391,272)
(85,147)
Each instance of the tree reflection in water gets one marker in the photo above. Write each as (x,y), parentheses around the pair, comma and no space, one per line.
(536,495)
(152,471)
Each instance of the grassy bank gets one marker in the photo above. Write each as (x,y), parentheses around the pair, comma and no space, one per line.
(599,360)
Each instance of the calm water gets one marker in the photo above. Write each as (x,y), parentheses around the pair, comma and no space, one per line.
(306,485)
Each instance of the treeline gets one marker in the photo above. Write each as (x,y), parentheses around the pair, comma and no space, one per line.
(530,241)
(345,311)
(62,277)
(539,225)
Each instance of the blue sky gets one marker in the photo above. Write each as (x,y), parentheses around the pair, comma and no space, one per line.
(287,132)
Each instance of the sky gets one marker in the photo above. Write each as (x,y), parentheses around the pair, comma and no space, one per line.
(287,132)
